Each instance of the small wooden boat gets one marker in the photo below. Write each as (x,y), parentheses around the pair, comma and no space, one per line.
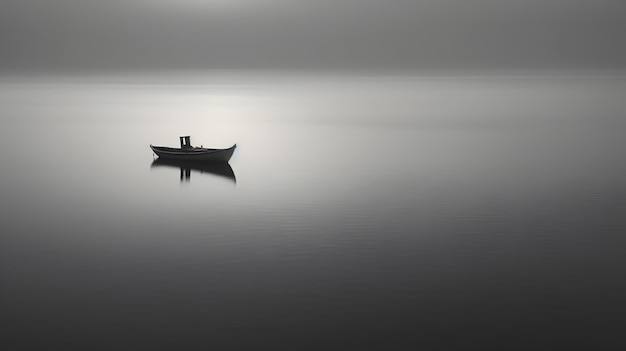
(186,152)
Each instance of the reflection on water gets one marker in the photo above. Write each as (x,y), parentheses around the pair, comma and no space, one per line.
(220,169)
(478,214)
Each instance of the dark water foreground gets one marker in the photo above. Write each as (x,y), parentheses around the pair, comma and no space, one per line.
(358,213)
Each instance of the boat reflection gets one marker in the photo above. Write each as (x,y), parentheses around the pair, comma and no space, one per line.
(221,169)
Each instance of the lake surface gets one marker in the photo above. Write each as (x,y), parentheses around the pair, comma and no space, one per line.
(383,212)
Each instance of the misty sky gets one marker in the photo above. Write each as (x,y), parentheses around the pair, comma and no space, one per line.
(312,34)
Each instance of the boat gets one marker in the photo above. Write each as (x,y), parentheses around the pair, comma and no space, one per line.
(220,169)
(186,152)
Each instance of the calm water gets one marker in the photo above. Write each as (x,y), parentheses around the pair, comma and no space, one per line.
(370,212)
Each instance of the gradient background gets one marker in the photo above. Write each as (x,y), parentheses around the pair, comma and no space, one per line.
(437,175)
(369,35)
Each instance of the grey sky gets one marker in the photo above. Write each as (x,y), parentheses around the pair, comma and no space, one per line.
(320,34)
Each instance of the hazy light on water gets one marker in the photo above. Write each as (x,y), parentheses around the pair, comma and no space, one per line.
(366,205)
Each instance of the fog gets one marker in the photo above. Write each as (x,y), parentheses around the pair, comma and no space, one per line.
(367,204)
(327,35)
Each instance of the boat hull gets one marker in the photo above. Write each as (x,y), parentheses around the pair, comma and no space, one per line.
(194,154)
